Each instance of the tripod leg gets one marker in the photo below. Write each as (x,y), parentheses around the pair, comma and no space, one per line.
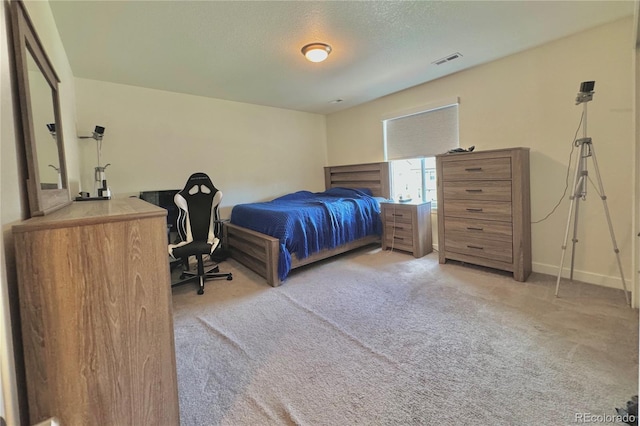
(564,245)
(580,192)
(576,190)
(606,212)
(574,240)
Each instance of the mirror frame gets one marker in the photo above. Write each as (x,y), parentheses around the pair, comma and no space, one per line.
(26,42)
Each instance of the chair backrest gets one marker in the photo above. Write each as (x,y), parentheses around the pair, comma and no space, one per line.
(198,209)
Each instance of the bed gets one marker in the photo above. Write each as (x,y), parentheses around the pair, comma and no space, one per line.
(260,252)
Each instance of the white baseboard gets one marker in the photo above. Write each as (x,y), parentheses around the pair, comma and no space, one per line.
(578,275)
(584,276)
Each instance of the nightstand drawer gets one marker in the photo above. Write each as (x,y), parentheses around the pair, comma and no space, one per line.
(497,190)
(484,210)
(399,242)
(488,168)
(501,251)
(398,227)
(397,214)
(464,229)
(399,232)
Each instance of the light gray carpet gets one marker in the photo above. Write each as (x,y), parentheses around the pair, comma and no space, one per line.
(382,338)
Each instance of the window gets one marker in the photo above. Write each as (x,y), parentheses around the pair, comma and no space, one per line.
(412,139)
(414,179)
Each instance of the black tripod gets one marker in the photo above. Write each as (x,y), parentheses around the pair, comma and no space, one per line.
(580,190)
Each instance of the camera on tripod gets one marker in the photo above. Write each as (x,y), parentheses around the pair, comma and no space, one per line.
(580,181)
(586,92)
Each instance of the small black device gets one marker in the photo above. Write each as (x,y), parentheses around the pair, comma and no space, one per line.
(52,127)
(586,92)
(587,86)
(99,130)
(85,196)
(454,150)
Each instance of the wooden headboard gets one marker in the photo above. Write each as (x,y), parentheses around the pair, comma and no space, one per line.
(374,176)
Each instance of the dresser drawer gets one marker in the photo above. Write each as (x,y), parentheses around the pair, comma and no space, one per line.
(477,169)
(464,229)
(501,251)
(497,190)
(484,210)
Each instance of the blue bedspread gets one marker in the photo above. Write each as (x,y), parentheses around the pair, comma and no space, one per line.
(307,222)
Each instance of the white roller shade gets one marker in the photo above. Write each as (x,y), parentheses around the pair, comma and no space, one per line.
(422,134)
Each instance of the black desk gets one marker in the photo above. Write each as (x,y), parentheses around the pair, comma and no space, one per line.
(164,198)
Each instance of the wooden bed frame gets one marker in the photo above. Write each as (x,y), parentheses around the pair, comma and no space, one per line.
(259,252)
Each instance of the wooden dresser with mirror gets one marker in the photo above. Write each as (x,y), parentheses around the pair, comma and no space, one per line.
(93,277)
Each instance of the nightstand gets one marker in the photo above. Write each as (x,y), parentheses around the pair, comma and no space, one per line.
(407,227)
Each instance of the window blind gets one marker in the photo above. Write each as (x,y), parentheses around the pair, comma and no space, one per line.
(422,134)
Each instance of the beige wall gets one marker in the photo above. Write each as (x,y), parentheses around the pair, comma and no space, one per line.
(12,209)
(156,139)
(527,100)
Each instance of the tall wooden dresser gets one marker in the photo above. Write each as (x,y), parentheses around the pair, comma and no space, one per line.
(95,306)
(484,209)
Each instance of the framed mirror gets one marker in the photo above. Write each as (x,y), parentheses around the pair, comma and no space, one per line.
(46,172)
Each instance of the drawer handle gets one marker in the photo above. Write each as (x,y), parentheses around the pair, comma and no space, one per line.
(474,169)
(474,210)
(475,247)
(471,228)
(398,238)
(397,214)
(473,190)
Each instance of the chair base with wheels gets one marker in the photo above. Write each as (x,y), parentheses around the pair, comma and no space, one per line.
(197,249)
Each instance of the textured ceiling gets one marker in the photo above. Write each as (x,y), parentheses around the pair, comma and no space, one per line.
(249,51)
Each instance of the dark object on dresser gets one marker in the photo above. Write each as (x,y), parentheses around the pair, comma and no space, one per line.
(454,150)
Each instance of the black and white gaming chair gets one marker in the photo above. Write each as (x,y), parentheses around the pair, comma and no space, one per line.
(198,227)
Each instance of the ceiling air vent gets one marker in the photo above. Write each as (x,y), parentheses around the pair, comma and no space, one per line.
(448,58)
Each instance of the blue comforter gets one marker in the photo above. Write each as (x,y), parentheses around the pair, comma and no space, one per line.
(307,222)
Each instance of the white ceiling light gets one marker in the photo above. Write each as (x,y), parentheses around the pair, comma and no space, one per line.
(316,52)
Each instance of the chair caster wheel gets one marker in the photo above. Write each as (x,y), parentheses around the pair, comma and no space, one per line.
(182,276)
(201,291)
(216,269)
(229,277)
